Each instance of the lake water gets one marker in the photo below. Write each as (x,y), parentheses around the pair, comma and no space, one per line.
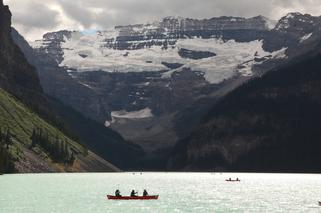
(179,192)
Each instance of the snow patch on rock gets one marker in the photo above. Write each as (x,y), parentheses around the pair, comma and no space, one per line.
(280,54)
(39,44)
(144,113)
(306,37)
(133,115)
(107,124)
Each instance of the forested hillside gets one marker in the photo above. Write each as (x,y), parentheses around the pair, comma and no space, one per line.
(270,124)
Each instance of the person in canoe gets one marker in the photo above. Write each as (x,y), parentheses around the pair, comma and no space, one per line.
(145,193)
(133,193)
(117,193)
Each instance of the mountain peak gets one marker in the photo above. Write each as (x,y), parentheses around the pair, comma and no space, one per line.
(298,16)
(297,21)
(293,15)
(4,6)
(5,21)
(173,18)
(260,17)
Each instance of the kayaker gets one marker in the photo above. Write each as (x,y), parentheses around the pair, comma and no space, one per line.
(145,193)
(133,193)
(117,193)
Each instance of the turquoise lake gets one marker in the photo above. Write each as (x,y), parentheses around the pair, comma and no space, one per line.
(179,192)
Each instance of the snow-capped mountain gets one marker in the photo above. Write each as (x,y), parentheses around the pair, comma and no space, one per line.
(153,81)
(173,44)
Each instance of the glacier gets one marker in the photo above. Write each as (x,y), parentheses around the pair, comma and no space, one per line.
(85,53)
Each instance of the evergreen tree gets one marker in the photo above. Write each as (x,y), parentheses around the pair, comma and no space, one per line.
(72,158)
(60,150)
(33,138)
(65,151)
(6,164)
(8,140)
(2,159)
(1,136)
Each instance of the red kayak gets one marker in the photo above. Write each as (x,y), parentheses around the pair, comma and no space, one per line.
(149,197)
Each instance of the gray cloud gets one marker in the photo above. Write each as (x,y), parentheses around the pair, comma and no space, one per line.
(78,11)
(32,17)
(36,15)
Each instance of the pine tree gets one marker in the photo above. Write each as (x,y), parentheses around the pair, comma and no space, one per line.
(8,140)
(55,153)
(61,150)
(72,158)
(1,159)
(65,151)
(33,138)
(1,136)
(6,163)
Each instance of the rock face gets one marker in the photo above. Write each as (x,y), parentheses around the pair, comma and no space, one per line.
(17,76)
(292,31)
(176,68)
(168,30)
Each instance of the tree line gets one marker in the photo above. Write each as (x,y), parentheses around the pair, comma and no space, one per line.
(57,148)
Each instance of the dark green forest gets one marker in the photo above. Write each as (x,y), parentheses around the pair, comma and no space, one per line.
(271,124)
(58,149)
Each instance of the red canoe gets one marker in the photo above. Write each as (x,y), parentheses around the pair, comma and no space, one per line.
(150,197)
(232,180)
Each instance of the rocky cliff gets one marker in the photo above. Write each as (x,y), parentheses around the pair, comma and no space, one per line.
(17,76)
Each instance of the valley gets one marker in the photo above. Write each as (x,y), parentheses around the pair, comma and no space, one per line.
(136,94)
(153,83)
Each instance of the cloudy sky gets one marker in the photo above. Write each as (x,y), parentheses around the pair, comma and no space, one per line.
(33,18)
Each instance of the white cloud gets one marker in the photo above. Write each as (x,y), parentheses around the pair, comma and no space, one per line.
(34,17)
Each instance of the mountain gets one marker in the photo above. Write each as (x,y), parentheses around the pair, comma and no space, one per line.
(30,138)
(154,82)
(56,82)
(18,78)
(270,124)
